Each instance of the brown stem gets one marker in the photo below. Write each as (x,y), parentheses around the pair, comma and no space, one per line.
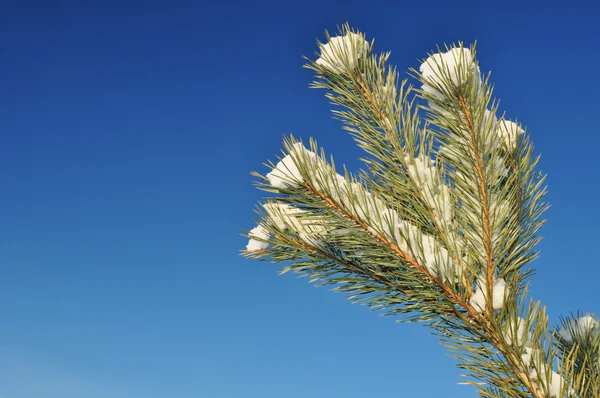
(483,197)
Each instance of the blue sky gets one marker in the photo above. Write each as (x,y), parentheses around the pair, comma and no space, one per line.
(127,134)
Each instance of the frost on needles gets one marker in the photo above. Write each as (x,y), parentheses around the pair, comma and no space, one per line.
(441,225)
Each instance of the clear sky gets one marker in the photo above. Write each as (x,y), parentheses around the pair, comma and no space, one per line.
(127,134)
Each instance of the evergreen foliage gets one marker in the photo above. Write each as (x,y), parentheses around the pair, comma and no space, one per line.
(441,225)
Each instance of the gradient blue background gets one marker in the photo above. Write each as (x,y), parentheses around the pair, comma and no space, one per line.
(127,134)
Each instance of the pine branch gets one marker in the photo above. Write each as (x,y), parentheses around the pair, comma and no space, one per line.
(439,227)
